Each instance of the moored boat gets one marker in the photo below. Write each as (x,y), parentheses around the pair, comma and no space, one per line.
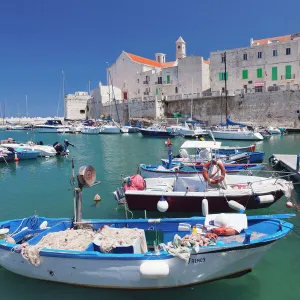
(137,253)
(51,126)
(155,130)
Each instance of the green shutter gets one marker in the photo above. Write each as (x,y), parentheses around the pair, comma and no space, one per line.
(226,75)
(168,79)
(274,73)
(220,76)
(156,92)
(259,72)
(245,74)
(288,72)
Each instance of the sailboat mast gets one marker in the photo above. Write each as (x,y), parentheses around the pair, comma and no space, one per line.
(26,106)
(63,90)
(225,85)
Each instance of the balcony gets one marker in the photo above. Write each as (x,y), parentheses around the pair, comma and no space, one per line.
(158,82)
(146,93)
(168,82)
(146,82)
(283,77)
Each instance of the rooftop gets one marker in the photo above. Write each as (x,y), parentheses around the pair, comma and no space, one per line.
(150,62)
(278,39)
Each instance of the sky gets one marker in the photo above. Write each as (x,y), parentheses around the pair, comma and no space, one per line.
(40,39)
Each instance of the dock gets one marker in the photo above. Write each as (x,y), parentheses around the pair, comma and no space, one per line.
(289,162)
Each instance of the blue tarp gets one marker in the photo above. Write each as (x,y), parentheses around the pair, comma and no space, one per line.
(229,122)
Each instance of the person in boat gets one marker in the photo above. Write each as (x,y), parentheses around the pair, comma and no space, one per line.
(62,149)
(201,138)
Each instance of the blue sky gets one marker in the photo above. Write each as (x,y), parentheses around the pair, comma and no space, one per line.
(42,38)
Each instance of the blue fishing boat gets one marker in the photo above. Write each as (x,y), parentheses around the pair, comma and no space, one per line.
(10,154)
(137,253)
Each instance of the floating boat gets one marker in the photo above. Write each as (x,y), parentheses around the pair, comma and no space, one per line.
(133,129)
(156,130)
(273,130)
(51,126)
(236,131)
(136,254)
(199,151)
(189,128)
(90,130)
(10,154)
(44,150)
(186,194)
(189,169)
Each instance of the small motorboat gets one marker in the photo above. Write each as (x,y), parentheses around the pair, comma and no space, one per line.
(133,129)
(51,126)
(44,150)
(11,154)
(273,130)
(136,253)
(156,130)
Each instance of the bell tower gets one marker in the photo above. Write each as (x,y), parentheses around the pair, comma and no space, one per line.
(180,48)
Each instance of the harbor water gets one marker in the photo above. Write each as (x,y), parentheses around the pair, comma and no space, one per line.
(43,187)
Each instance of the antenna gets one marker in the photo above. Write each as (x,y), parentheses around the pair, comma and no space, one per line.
(26,106)
(89,87)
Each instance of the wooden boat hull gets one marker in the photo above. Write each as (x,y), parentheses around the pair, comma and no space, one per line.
(190,202)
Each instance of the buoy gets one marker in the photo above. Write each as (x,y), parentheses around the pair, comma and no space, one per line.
(44,225)
(204,207)
(265,199)
(97,198)
(162,204)
(16,157)
(289,204)
(154,269)
(236,206)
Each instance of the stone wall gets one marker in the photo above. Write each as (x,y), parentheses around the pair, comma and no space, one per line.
(266,109)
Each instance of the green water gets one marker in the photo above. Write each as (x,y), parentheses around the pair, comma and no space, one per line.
(42,186)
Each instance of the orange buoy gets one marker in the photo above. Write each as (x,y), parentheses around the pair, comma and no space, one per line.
(289,204)
(16,157)
(97,198)
(224,231)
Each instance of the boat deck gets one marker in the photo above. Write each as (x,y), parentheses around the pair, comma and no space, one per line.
(289,162)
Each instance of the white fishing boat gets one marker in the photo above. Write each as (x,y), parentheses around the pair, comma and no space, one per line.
(90,130)
(273,130)
(51,126)
(44,150)
(17,127)
(137,253)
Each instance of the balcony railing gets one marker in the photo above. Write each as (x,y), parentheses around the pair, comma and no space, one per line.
(146,82)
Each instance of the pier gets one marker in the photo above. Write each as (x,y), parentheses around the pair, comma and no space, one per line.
(289,162)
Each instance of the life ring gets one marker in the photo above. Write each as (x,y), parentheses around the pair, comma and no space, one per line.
(220,166)
(224,231)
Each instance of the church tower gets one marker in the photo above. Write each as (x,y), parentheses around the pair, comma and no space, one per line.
(180,48)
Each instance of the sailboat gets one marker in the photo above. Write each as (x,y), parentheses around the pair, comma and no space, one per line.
(111,126)
(232,130)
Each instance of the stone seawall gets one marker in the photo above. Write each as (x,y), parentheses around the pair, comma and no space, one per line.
(279,109)
(267,109)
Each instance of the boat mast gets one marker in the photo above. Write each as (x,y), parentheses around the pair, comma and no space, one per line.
(63,90)
(113,96)
(225,86)
(26,106)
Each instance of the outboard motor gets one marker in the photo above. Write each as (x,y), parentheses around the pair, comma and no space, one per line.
(58,148)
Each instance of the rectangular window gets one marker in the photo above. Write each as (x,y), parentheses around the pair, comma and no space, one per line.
(222,58)
(245,74)
(275,53)
(288,51)
(274,73)
(159,80)
(168,79)
(258,89)
(222,76)
(259,54)
(245,56)
(288,72)
(259,72)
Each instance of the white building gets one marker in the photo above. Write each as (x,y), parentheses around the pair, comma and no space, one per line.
(76,105)
(102,96)
(266,65)
(145,79)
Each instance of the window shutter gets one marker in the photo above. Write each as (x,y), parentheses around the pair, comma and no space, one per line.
(220,76)
(274,73)
(288,72)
